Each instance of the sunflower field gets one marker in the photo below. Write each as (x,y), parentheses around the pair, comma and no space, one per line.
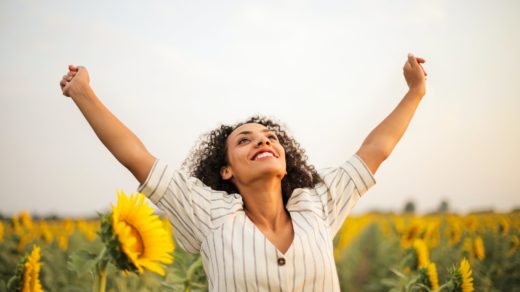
(374,252)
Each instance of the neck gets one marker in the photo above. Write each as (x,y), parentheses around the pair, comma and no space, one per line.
(263,203)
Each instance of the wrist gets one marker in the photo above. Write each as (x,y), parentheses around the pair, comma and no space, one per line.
(85,92)
(417,91)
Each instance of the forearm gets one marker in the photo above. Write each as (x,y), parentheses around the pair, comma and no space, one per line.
(119,140)
(387,134)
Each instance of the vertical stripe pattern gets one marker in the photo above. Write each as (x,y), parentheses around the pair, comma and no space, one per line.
(236,254)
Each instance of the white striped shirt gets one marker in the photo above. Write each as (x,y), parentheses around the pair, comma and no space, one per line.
(236,254)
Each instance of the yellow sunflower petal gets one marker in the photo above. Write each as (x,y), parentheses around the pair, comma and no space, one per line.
(467,279)
(31,273)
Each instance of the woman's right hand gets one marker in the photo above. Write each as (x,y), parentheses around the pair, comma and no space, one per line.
(415,75)
(75,82)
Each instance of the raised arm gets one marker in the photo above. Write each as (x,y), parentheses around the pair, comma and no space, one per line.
(381,141)
(119,140)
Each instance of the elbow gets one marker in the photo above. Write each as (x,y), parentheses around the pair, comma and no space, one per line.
(373,156)
(140,165)
(376,151)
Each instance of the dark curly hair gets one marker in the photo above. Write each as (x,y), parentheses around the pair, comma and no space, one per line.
(210,154)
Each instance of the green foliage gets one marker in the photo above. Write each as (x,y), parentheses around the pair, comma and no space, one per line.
(187,273)
(16,281)
(374,260)
(9,259)
(82,261)
(357,268)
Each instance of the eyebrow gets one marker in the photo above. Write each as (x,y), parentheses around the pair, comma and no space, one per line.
(249,132)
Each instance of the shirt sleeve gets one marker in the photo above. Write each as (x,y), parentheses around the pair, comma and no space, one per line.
(185,200)
(343,188)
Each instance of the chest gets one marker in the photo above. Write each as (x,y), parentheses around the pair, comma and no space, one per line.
(238,256)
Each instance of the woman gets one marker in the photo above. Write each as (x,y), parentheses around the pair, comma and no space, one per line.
(261,217)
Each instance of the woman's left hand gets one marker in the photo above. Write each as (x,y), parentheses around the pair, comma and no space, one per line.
(415,75)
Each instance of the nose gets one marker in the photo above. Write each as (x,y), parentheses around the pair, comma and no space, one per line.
(263,140)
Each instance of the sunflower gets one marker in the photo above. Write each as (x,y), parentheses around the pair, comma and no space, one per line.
(433,277)
(411,233)
(428,276)
(454,233)
(467,247)
(503,226)
(465,280)
(471,223)
(431,235)
(421,250)
(1,231)
(25,217)
(135,237)
(45,232)
(478,246)
(31,272)
(27,275)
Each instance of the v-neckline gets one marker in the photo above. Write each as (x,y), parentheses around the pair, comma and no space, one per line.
(268,240)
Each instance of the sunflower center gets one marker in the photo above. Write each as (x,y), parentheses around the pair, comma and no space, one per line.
(138,247)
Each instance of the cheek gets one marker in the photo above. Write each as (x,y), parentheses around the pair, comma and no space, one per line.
(235,155)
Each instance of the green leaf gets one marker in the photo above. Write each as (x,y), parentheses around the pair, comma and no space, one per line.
(173,286)
(197,264)
(82,261)
(13,284)
(390,282)
(199,285)
(399,274)
(175,278)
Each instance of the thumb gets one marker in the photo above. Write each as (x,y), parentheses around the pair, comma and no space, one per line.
(81,69)
(412,60)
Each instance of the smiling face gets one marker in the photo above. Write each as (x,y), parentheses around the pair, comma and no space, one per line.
(253,153)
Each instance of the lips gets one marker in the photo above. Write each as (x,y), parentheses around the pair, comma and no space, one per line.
(263,153)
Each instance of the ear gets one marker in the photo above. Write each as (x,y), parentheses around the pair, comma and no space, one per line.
(226,173)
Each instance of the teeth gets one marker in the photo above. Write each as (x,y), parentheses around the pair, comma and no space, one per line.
(263,154)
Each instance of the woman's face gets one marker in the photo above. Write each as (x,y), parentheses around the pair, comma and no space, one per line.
(253,153)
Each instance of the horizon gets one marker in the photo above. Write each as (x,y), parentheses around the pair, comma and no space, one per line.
(331,71)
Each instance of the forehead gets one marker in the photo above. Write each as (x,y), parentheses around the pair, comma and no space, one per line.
(250,127)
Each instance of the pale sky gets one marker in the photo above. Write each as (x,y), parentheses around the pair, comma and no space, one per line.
(330,70)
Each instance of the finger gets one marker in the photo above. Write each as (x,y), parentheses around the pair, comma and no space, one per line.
(407,66)
(420,60)
(71,73)
(69,78)
(63,83)
(73,68)
(425,74)
(80,68)
(412,60)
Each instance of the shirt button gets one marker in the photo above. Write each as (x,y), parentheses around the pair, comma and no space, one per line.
(281,261)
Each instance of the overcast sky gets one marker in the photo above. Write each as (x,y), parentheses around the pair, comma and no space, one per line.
(330,70)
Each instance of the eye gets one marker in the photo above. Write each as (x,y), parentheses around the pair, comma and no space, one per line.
(272,137)
(243,140)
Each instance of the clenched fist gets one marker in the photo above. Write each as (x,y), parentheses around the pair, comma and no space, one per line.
(75,82)
(414,74)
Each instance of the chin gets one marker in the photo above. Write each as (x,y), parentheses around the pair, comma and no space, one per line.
(272,171)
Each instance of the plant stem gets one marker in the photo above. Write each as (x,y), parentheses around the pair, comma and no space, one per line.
(102,270)
(102,280)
